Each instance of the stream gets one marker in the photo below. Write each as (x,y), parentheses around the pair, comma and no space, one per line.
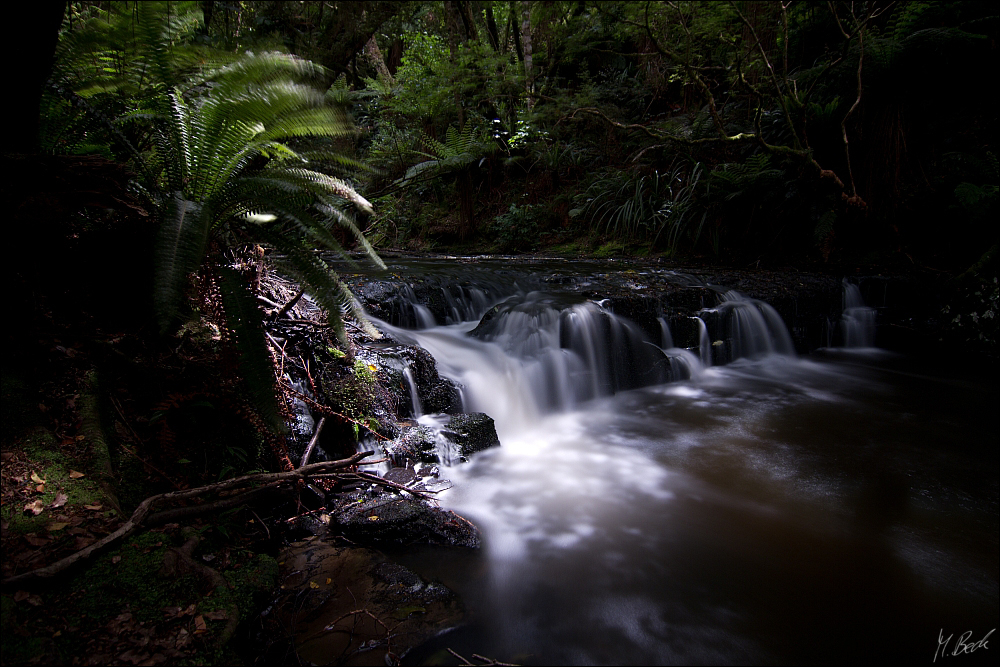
(650,507)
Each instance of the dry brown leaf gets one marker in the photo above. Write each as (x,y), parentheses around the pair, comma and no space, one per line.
(40,488)
(58,525)
(36,479)
(84,542)
(35,507)
(200,626)
(60,500)
(116,559)
(92,507)
(73,474)
(35,601)
(218,615)
(191,609)
(21,596)
(35,541)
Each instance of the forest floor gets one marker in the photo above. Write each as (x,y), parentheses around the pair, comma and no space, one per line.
(63,489)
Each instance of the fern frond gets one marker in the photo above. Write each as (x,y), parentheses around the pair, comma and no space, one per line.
(243,318)
(179,251)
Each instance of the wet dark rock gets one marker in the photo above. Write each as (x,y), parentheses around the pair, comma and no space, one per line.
(389,518)
(402,476)
(463,434)
(331,596)
(437,394)
(470,433)
(415,443)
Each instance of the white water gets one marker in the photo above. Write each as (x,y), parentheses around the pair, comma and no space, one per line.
(857,325)
(769,510)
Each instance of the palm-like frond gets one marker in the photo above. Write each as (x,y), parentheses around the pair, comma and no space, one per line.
(243,319)
(213,145)
(180,249)
(219,159)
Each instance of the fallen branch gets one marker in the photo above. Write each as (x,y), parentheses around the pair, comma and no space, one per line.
(312,442)
(288,306)
(384,482)
(138,517)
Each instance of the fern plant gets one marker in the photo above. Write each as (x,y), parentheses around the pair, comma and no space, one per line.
(459,151)
(220,168)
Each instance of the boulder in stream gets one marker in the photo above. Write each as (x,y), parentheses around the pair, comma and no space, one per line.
(388,518)
(452,441)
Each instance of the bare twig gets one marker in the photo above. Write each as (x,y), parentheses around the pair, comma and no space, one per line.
(138,517)
(384,482)
(313,441)
(288,306)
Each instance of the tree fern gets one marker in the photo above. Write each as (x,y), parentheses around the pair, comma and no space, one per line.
(222,174)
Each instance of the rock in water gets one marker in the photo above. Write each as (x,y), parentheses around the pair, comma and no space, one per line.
(470,433)
(392,519)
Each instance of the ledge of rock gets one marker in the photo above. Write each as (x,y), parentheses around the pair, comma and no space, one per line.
(388,518)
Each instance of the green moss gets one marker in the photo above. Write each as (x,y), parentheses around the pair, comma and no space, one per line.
(107,588)
(55,469)
(351,392)
(608,249)
(251,584)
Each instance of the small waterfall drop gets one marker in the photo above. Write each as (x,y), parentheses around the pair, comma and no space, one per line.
(857,324)
(666,339)
(704,343)
(755,327)
(411,385)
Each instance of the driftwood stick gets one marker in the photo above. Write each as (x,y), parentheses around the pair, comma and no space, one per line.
(312,442)
(176,514)
(267,302)
(384,482)
(291,303)
(139,515)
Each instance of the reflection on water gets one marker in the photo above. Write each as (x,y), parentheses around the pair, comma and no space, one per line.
(835,508)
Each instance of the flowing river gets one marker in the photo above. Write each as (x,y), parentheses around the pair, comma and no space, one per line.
(647,507)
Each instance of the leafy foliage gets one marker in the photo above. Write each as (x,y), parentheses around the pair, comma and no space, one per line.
(644,206)
(232,152)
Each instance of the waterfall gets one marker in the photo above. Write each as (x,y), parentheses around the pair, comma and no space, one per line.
(755,327)
(538,353)
(704,343)
(411,385)
(857,324)
(666,339)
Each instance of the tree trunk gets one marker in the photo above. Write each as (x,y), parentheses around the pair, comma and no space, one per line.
(526,47)
(491,28)
(375,56)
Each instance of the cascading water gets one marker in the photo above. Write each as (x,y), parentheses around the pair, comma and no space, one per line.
(857,324)
(755,327)
(704,343)
(647,507)
(411,386)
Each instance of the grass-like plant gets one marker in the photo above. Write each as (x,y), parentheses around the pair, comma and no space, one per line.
(632,207)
